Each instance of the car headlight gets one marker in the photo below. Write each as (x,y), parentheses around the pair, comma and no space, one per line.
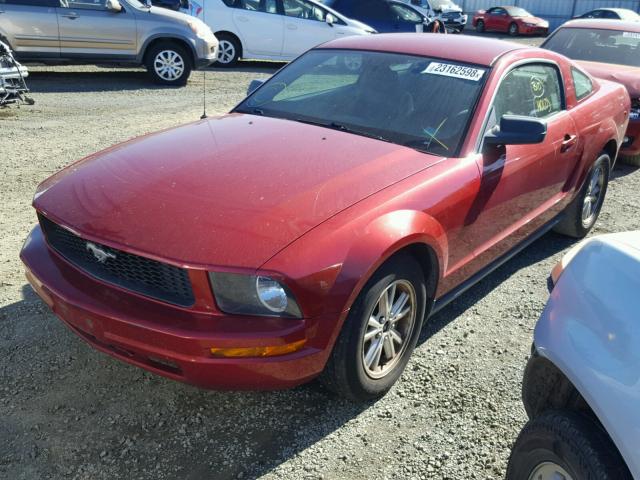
(200,29)
(253,295)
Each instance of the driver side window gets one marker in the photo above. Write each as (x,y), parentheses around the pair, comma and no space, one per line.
(531,91)
(303,9)
(84,4)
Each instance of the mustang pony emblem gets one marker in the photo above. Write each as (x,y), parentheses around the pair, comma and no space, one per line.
(99,253)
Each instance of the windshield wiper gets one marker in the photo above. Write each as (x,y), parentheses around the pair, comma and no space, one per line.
(343,128)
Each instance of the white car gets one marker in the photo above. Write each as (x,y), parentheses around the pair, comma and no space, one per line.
(273,29)
(581,386)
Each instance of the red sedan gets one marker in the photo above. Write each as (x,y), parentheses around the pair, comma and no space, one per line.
(310,231)
(608,49)
(512,20)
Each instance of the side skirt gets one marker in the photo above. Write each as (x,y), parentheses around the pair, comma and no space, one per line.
(450,296)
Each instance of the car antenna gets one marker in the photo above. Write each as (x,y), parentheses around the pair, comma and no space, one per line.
(204,73)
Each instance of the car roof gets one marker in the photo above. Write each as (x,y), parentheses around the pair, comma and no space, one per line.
(621,25)
(459,48)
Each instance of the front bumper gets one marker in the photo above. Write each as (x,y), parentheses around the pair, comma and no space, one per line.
(207,49)
(533,30)
(172,341)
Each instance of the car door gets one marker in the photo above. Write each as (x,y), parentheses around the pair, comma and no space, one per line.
(305,26)
(88,29)
(31,27)
(501,20)
(522,186)
(260,27)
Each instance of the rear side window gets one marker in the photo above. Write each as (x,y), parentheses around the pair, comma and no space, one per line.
(530,90)
(582,84)
(84,4)
(303,9)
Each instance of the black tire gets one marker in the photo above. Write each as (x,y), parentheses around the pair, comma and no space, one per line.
(229,50)
(167,51)
(480,26)
(572,224)
(630,160)
(513,29)
(569,440)
(345,372)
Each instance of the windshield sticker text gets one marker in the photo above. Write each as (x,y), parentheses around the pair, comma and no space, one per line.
(631,35)
(456,71)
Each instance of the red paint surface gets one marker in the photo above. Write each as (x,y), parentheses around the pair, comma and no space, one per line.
(318,209)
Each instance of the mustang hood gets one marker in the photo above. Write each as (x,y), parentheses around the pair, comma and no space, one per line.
(627,76)
(230,191)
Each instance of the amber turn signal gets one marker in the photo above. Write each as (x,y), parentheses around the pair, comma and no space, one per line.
(258,351)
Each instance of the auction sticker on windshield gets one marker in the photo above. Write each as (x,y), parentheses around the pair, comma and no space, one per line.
(456,71)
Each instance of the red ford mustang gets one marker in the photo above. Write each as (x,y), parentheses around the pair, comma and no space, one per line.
(512,20)
(311,230)
(608,49)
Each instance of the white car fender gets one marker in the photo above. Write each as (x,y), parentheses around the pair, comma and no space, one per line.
(590,330)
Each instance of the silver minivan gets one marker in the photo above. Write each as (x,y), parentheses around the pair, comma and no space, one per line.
(170,44)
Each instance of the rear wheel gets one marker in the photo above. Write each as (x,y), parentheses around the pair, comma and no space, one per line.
(581,214)
(513,29)
(168,64)
(565,445)
(480,26)
(380,332)
(228,50)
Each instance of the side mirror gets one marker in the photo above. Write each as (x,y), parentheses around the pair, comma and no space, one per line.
(516,130)
(113,6)
(330,19)
(254,85)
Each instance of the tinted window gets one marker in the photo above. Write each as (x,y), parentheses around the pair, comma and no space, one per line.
(404,14)
(596,45)
(34,3)
(403,99)
(302,9)
(582,84)
(531,91)
(593,14)
(610,14)
(268,6)
(84,4)
(497,11)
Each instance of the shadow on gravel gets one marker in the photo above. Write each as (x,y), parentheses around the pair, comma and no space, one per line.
(545,247)
(96,81)
(622,170)
(251,66)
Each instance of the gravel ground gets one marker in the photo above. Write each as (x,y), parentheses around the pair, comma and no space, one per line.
(71,412)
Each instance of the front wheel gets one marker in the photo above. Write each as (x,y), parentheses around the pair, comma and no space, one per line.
(169,64)
(380,332)
(565,445)
(513,29)
(581,214)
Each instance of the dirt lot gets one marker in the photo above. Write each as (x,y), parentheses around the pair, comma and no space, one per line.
(68,411)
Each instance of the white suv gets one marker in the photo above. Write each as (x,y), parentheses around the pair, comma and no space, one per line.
(273,29)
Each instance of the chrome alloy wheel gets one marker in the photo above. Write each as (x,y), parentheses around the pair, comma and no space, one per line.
(389,329)
(549,471)
(592,198)
(169,65)
(226,51)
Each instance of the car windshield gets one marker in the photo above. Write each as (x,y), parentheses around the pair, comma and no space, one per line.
(441,4)
(419,102)
(597,45)
(517,12)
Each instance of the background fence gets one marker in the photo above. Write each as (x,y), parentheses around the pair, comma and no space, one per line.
(555,11)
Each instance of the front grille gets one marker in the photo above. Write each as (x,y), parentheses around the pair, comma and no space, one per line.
(139,274)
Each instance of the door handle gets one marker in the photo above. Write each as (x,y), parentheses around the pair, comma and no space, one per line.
(568,142)
(291,26)
(71,16)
